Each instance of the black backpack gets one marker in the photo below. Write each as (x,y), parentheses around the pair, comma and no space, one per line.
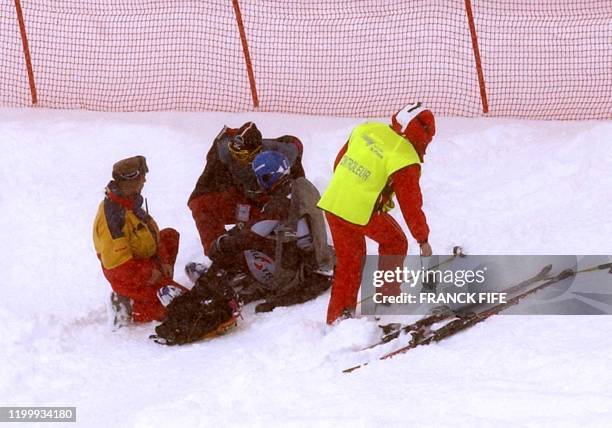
(199,312)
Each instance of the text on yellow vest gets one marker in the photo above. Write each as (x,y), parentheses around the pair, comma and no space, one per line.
(374,152)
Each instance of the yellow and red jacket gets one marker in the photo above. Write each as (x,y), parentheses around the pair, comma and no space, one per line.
(123,232)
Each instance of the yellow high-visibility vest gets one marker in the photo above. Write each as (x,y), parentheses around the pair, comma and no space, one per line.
(374,152)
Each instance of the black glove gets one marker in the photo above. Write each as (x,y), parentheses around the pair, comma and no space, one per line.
(280,201)
(224,248)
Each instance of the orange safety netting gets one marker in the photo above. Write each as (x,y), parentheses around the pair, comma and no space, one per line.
(517,58)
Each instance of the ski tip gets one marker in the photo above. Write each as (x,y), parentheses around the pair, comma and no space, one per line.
(352,369)
(605,266)
(458,251)
(566,273)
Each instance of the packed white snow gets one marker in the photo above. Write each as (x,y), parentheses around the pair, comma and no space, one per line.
(494,186)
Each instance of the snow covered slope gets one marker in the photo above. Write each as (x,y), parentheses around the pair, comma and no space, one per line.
(494,186)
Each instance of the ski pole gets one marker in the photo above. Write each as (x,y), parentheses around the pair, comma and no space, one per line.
(457,252)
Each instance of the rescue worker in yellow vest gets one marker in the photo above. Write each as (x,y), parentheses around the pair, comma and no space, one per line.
(137,258)
(378,162)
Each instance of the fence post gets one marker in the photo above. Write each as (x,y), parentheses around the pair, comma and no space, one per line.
(481,81)
(26,51)
(247,55)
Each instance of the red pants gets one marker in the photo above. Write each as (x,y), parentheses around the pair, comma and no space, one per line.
(212,211)
(349,242)
(130,279)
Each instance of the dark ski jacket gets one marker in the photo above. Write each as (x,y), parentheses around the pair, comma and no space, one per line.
(223,172)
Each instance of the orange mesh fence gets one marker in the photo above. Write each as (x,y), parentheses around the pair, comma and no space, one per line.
(130,55)
(547,59)
(517,58)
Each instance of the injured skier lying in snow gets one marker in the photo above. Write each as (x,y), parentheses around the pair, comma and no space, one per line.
(212,306)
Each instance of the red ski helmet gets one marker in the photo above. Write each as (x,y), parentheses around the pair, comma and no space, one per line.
(417,124)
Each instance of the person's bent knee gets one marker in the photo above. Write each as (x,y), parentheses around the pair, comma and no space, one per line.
(170,234)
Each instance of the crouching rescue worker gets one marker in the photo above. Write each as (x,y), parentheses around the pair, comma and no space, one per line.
(137,258)
(378,161)
(283,257)
(227,192)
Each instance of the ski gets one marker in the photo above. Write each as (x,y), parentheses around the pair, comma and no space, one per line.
(424,335)
(438,317)
(464,322)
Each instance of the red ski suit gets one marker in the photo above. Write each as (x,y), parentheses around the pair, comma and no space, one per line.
(130,279)
(349,239)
